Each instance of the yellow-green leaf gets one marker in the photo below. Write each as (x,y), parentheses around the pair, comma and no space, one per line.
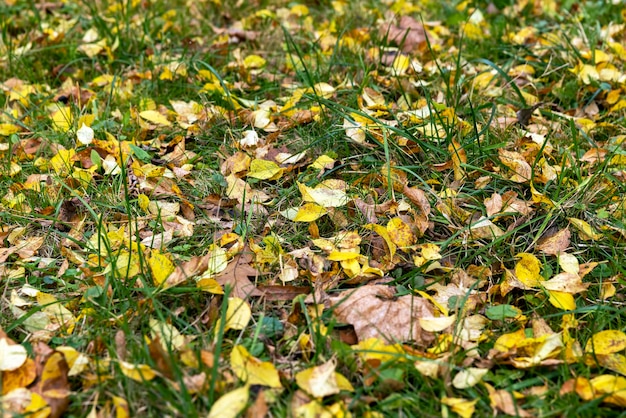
(264,170)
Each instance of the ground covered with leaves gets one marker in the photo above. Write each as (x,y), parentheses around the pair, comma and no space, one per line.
(312,209)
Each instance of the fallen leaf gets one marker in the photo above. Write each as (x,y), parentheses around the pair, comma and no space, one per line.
(322,380)
(462,407)
(469,377)
(231,404)
(236,276)
(556,243)
(52,379)
(12,356)
(251,370)
(238,314)
(376,312)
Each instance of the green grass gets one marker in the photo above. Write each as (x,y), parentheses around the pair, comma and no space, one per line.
(157,53)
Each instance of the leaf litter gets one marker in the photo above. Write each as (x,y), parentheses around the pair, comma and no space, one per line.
(458,227)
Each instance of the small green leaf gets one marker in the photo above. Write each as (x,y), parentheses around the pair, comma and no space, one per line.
(139,153)
(95,158)
(502,312)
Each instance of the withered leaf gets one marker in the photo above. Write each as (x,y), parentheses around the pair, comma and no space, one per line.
(556,243)
(52,382)
(236,275)
(418,198)
(375,312)
(407,32)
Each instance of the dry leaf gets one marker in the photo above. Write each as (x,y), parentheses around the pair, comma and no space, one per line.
(375,312)
(236,276)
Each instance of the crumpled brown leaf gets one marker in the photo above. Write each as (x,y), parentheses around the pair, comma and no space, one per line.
(52,379)
(376,312)
(408,33)
(555,244)
(236,276)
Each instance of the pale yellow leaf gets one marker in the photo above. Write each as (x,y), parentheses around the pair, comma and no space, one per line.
(155,117)
(137,372)
(238,314)
(11,356)
(231,404)
(251,370)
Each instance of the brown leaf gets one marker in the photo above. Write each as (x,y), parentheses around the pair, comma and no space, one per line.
(52,382)
(369,211)
(188,269)
(418,198)
(556,243)
(162,360)
(505,402)
(408,33)
(515,161)
(236,276)
(375,312)
(283,292)
(493,204)
(259,408)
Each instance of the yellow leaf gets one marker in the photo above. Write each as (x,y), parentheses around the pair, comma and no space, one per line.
(527,270)
(327,196)
(382,231)
(264,170)
(462,407)
(585,231)
(309,212)
(169,336)
(322,162)
(143,201)
(615,362)
(569,263)
(562,300)
(354,130)
(343,255)
(210,286)
(606,342)
(155,117)
(319,381)
(238,314)
(400,233)
(38,407)
(377,349)
(507,341)
(63,161)
(77,361)
(7,129)
(231,404)
(614,386)
(459,157)
(62,119)
(160,266)
(137,372)
(254,61)
(121,407)
(251,370)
